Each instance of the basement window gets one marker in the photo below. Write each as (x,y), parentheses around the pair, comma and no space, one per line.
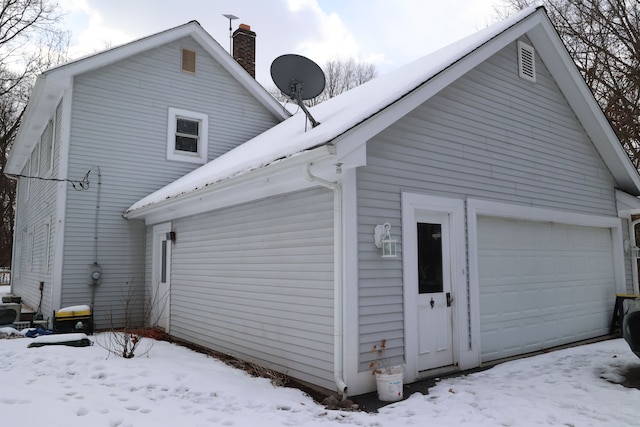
(187,136)
(188,61)
(526,62)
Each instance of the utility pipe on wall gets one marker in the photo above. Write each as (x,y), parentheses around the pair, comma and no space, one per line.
(338,288)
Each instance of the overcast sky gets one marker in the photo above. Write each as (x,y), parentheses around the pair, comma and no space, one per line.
(389,33)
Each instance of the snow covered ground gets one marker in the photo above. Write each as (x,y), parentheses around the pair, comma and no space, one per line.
(174,386)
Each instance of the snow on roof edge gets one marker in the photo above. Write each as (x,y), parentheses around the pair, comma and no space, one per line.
(336,115)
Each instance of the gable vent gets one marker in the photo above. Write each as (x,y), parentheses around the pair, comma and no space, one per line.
(526,62)
(188,61)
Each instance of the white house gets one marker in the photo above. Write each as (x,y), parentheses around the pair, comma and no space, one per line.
(500,179)
(507,193)
(103,122)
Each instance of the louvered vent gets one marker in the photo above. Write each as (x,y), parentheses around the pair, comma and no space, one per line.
(188,61)
(526,62)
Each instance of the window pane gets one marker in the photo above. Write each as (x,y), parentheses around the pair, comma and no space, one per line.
(45,147)
(184,143)
(163,267)
(429,258)
(188,127)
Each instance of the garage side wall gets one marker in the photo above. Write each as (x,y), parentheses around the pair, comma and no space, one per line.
(491,136)
(256,281)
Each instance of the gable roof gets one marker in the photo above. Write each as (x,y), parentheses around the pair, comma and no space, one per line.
(350,119)
(52,83)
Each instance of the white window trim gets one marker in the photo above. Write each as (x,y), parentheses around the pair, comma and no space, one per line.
(17,263)
(35,166)
(49,163)
(203,140)
(27,179)
(30,248)
(46,237)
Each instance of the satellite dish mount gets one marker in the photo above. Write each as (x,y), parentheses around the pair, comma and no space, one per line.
(298,78)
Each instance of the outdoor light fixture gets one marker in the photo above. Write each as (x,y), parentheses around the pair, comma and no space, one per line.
(383,239)
(631,250)
(171,235)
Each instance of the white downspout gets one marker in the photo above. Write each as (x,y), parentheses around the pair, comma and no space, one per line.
(338,288)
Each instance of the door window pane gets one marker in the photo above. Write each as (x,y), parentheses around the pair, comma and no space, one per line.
(429,258)
(163,266)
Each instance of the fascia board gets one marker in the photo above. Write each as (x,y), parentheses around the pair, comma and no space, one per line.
(44,98)
(627,204)
(102,59)
(53,82)
(376,123)
(278,178)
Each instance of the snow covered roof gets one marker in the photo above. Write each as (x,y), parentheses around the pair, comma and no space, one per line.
(340,116)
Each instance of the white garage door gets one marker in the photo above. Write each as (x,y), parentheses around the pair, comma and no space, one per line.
(542,284)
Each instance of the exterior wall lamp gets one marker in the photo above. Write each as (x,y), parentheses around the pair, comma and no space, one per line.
(384,240)
(631,250)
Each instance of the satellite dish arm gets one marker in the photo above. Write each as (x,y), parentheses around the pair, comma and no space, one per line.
(296,95)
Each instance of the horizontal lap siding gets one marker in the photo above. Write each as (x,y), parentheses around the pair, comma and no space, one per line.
(119,123)
(256,281)
(490,135)
(34,216)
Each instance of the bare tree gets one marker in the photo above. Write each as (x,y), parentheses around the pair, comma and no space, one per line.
(30,41)
(340,75)
(603,38)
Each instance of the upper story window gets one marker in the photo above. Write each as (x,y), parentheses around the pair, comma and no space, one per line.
(187,136)
(46,149)
(35,161)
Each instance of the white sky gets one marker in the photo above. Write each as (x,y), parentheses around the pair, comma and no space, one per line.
(390,33)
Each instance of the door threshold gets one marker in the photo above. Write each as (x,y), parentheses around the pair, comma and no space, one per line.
(429,373)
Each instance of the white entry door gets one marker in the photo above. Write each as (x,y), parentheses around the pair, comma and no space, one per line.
(161,274)
(433,298)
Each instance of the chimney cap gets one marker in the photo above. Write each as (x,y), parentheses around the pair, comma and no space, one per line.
(245,27)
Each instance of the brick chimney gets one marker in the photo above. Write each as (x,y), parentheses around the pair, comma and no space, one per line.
(244,48)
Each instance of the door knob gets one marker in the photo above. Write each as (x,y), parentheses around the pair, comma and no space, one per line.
(432,302)
(448,299)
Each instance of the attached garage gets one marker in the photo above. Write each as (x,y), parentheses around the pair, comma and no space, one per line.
(542,284)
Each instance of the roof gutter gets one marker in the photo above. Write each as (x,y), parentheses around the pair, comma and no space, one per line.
(223,193)
(338,287)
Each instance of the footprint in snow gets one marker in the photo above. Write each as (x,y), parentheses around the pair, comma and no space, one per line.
(82,411)
(14,401)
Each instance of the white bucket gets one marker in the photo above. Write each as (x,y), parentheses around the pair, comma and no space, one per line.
(389,384)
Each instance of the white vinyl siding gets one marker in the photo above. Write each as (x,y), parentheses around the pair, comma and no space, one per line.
(490,135)
(256,281)
(119,124)
(35,212)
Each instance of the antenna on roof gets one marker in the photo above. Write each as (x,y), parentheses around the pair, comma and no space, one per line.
(230,18)
(299,78)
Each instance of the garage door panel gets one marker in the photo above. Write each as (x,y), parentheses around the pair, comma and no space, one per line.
(541,285)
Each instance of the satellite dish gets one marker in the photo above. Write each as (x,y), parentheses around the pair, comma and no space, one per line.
(299,78)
